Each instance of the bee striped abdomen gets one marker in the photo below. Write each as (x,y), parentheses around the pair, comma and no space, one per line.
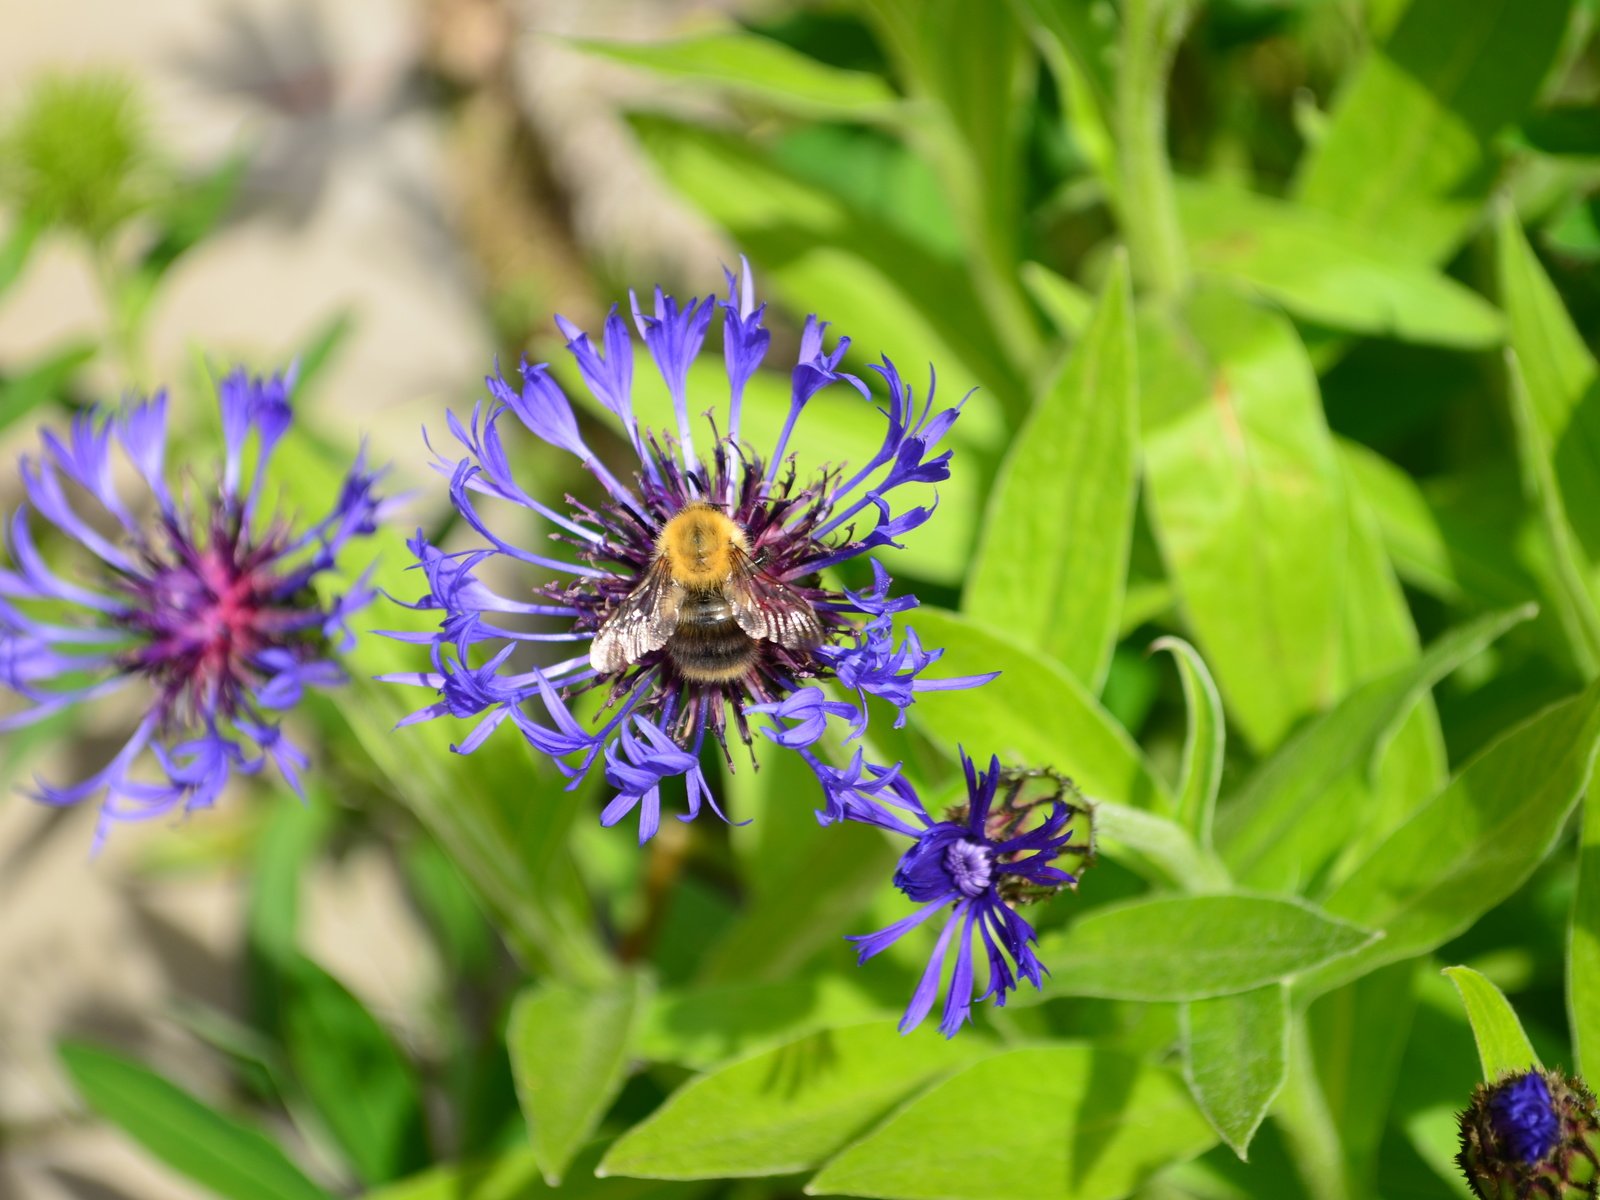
(707,646)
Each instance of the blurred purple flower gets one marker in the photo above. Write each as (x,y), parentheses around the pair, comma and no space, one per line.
(202,599)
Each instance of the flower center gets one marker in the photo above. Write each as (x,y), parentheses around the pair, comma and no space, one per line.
(971,867)
(204,613)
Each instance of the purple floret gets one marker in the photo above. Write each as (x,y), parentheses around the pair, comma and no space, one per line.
(196,597)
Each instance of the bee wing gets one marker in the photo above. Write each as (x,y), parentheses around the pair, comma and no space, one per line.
(641,623)
(768,608)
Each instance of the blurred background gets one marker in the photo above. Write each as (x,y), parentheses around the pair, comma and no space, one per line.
(395,192)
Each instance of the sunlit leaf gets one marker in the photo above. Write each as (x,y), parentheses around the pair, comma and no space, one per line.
(789,1108)
(1080,1124)
(1236,1057)
(569,1049)
(1408,154)
(1053,556)
(1502,1045)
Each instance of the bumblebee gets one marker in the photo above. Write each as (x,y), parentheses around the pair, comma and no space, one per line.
(706,601)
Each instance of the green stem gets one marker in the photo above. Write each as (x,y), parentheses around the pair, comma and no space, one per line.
(1307,1124)
(1150,33)
(123,329)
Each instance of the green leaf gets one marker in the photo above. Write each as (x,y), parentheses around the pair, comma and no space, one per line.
(817,252)
(1236,1057)
(747,64)
(17,248)
(1204,740)
(1502,1045)
(1157,848)
(1409,153)
(974,92)
(1563,564)
(1034,714)
(41,382)
(1325,272)
(1067,305)
(1562,377)
(1246,501)
(569,1050)
(363,1088)
(822,881)
(322,349)
(700,1027)
(786,1109)
(1078,1123)
(1438,545)
(1053,557)
(229,1158)
(1193,947)
(503,820)
(1359,1035)
(1583,943)
(1291,817)
(1473,844)
(514,1175)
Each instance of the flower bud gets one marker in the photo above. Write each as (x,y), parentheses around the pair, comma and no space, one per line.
(1530,1135)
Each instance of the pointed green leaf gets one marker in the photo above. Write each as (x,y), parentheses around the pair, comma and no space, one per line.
(1437,545)
(569,1050)
(1290,818)
(789,1108)
(1325,272)
(1067,305)
(42,382)
(758,67)
(1236,1057)
(1192,947)
(1204,741)
(1078,1123)
(1473,844)
(1246,503)
(1053,557)
(1063,727)
(192,1137)
(1564,567)
(1502,1045)
(363,1088)
(1408,154)
(1583,943)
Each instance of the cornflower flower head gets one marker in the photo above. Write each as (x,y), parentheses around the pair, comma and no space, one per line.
(693,594)
(975,867)
(1531,1134)
(198,597)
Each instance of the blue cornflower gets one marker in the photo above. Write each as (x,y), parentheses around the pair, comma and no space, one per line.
(975,867)
(1530,1134)
(196,594)
(692,597)
(1524,1117)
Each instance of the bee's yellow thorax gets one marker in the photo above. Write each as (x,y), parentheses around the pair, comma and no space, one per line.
(698,545)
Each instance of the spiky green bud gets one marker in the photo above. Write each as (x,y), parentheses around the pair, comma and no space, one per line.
(1532,1135)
